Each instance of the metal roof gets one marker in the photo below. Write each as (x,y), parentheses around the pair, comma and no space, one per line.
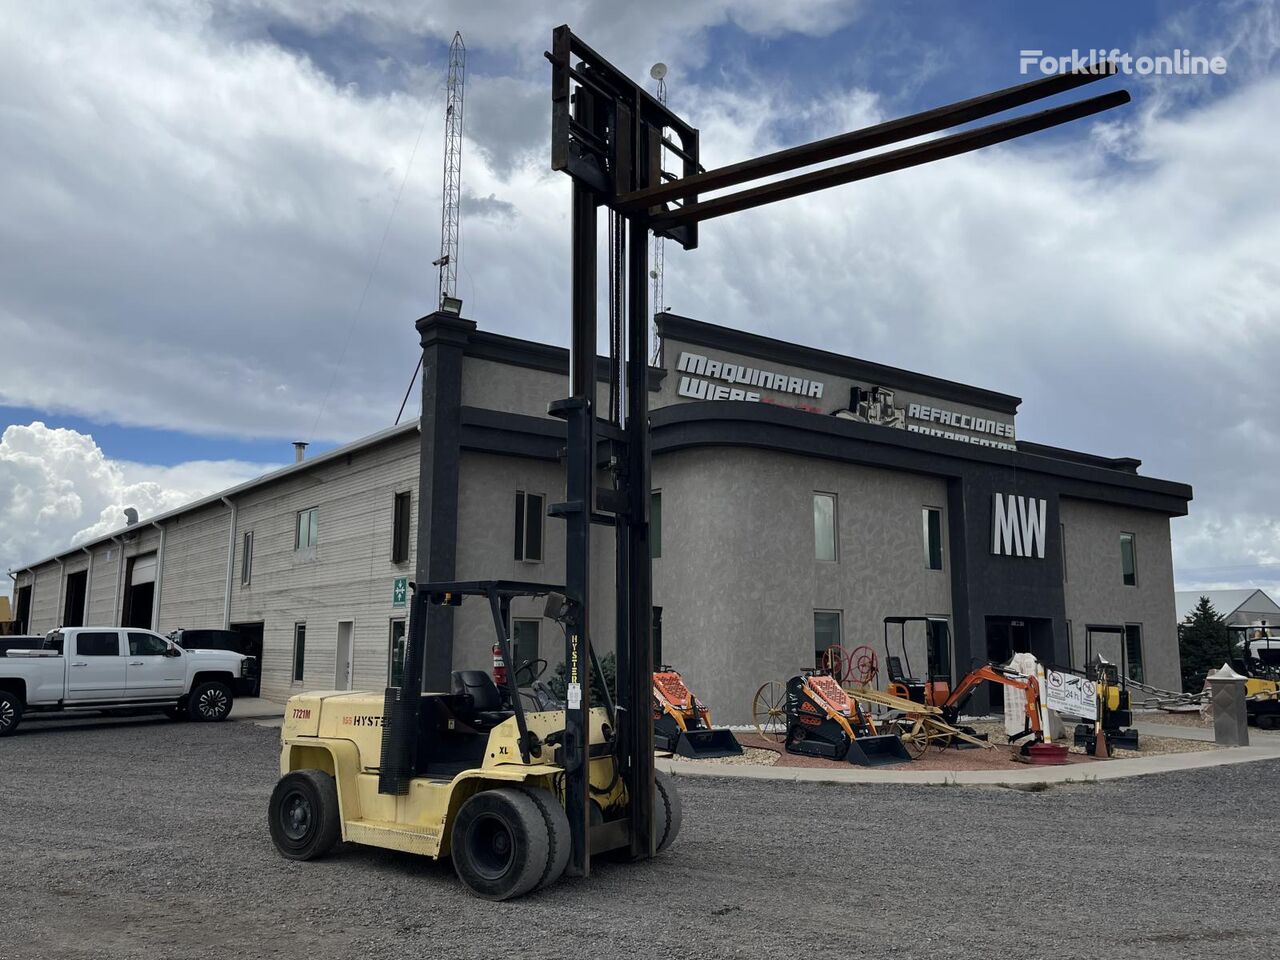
(1226,602)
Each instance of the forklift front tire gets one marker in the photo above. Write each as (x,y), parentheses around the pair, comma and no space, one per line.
(500,843)
(667,806)
(557,834)
(304,817)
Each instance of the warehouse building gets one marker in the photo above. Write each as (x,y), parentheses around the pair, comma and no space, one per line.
(800,498)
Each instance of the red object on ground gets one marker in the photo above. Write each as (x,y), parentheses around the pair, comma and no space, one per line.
(1046,754)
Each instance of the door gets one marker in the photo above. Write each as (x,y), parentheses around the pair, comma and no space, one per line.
(251,635)
(345,673)
(95,667)
(152,669)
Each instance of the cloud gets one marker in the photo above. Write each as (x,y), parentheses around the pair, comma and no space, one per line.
(193,206)
(63,490)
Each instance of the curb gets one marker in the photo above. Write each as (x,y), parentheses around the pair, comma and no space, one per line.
(1108,770)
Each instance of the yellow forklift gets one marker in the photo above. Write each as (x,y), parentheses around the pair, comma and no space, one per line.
(443,764)
(467,773)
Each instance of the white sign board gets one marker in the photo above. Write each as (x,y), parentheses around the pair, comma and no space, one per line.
(1071,694)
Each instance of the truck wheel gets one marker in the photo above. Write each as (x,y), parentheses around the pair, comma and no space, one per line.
(500,844)
(304,818)
(10,712)
(667,808)
(210,702)
(557,834)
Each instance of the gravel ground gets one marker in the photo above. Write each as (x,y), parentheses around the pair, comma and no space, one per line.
(141,838)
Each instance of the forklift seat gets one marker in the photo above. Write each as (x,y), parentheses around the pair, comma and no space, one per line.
(481,696)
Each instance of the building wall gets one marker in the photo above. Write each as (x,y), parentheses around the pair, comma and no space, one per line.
(738,597)
(193,587)
(486,551)
(349,575)
(103,584)
(1095,590)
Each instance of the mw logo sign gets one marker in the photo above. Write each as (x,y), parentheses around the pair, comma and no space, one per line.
(1017,526)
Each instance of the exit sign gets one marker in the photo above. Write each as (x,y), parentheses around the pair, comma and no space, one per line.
(400,592)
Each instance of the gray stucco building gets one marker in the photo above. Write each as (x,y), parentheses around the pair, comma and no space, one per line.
(800,498)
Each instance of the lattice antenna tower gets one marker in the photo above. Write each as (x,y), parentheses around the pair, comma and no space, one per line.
(658,72)
(451,209)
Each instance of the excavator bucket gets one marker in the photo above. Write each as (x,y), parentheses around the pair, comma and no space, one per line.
(878,751)
(705,744)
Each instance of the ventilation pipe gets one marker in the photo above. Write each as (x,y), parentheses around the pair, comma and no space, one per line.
(299,450)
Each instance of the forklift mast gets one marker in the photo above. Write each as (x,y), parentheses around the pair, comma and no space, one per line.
(612,138)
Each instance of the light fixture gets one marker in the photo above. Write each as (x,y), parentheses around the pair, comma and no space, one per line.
(451,305)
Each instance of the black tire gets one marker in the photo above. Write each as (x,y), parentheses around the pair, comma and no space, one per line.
(668,811)
(303,814)
(558,841)
(210,702)
(1265,721)
(500,844)
(10,712)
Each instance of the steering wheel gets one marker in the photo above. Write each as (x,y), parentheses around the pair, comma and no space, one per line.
(533,669)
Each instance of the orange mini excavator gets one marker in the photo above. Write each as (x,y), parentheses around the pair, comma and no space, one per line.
(1034,749)
(682,723)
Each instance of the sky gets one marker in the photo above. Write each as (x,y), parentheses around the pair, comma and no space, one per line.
(219,219)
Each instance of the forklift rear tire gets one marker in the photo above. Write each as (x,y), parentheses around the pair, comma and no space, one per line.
(1266,721)
(500,843)
(557,834)
(304,817)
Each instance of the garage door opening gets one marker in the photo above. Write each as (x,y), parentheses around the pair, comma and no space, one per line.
(140,593)
(73,606)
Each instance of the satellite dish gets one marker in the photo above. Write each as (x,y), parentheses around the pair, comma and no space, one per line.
(658,70)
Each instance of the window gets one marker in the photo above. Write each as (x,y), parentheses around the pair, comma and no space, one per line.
(400,529)
(529,514)
(933,538)
(1062,533)
(826,631)
(1133,652)
(1128,560)
(824,526)
(98,644)
(246,559)
(525,634)
(146,645)
(938,638)
(655,524)
(657,638)
(308,529)
(395,669)
(299,651)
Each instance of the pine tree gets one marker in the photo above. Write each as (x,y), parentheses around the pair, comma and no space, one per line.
(1203,644)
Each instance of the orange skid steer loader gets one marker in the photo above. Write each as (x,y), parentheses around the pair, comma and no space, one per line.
(682,723)
(824,721)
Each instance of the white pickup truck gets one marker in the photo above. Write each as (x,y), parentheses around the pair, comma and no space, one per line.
(98,668)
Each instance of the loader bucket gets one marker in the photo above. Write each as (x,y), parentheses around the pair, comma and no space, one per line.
(705,744)
(878,751)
